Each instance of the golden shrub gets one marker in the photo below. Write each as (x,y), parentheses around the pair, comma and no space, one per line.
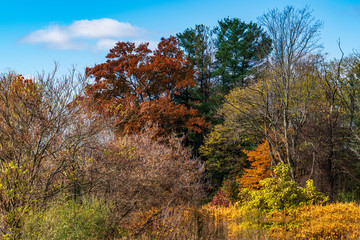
(333,221)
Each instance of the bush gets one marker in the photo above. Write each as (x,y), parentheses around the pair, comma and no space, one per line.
(231,188)
(220,199)
(86,219)
(143,172)
(333,221)
(280,192)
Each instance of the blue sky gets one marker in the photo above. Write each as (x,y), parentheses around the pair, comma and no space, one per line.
(34,34)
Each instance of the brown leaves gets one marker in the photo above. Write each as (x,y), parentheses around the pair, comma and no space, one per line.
(135,86)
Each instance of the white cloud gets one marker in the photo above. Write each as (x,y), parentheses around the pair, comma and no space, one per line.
(53,37)
(103,28)
(79,33)
(105,44)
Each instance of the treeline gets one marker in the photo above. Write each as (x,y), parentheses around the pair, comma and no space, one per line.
(275,87)
(243,113)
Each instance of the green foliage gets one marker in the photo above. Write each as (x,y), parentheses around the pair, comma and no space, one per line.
(231,188)
(240,46)
(86,219)
(280,192)
(16,195)
(222,151)
(198,45)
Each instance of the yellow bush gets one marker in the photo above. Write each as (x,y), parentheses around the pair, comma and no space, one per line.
(180,222)
(242,223)
(333,221)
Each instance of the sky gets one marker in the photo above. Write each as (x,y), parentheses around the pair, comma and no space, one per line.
(36,34)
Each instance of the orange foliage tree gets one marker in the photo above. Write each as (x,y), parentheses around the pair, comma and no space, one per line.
(260,161)
(136,86)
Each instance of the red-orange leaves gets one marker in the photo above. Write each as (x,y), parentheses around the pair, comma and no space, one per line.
(136,86)
(259,169)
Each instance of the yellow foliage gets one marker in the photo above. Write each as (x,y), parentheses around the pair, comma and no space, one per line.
(241,223)
(333,221)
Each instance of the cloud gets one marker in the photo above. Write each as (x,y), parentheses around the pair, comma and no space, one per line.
(79,34)
(105,44)
(52,37)
(103,28)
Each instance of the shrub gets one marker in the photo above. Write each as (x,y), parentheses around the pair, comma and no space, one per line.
(86,219)
(333,221)
(143,172)
(280,192)
(220,199)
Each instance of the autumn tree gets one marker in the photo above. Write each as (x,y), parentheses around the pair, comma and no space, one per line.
(260,162)
(137,85)
(301,104)
(254,112)
(46,142)
(140,174)
(336,168)
(242,127)
(348,71)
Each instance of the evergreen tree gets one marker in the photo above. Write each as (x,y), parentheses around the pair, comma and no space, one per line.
(240,46)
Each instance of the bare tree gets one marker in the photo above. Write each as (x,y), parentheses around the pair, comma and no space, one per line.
(142,173)
(295,36)
(46,142)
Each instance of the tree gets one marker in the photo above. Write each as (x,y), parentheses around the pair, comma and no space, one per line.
(240,46)
(260,162)
(141,175)
(349,90)
(137,86)
(338,149)
(46,142)
(298,105)
(242,127)
(222,150)
(198,45)
(294,35)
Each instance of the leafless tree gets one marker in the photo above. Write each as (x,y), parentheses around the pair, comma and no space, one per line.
(47,140)
(143,173)
(295,36)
